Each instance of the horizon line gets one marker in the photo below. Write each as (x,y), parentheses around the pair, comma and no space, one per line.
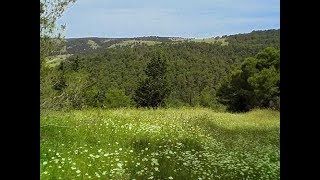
(122,37)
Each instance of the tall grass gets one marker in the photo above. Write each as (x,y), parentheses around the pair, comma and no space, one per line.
(159,144)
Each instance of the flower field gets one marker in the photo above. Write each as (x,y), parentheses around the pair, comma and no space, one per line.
(184,144)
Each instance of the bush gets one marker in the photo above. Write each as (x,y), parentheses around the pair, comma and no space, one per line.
(116,98)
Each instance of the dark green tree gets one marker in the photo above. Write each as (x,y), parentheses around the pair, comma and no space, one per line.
(256,83)
(154,89)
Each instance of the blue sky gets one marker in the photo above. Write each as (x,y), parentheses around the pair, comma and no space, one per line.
(181,18)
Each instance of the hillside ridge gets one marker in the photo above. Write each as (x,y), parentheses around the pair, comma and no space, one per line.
(89,44)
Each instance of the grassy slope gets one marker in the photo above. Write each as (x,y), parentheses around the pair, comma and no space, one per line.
(56,60)
(212,40)
(92,44)
(132,42)
(160,144)
(150,43)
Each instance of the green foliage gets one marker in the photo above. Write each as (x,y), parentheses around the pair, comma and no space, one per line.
(50,35)
(59,81)
(116,98)
(94,97)
(259,38)
(48,94)
(52,80)
(74,95)
(194,71)
(207,98)
(256,83)
(154,89)
(265,85)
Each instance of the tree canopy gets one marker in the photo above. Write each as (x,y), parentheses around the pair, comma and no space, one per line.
(154,89)
(194,72)
(255,83)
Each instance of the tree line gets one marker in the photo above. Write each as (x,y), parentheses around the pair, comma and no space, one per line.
(193,74)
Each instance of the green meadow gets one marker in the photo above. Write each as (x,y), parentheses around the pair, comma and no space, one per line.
(184,143)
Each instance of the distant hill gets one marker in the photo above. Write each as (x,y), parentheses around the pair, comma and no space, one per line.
(83,45)
(92,44)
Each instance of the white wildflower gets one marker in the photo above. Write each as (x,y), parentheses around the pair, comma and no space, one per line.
(154,161)
(119,165)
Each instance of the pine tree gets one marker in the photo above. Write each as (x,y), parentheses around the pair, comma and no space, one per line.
(255,84)
(154,89)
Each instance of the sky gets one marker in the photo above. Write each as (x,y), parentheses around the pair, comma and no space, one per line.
(169,18)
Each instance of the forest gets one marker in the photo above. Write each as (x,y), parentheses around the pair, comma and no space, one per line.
(196,73)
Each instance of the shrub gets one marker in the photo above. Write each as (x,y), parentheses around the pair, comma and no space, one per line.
(116,98)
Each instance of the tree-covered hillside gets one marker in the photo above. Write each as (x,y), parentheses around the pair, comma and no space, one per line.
(91,44)
(195,70)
